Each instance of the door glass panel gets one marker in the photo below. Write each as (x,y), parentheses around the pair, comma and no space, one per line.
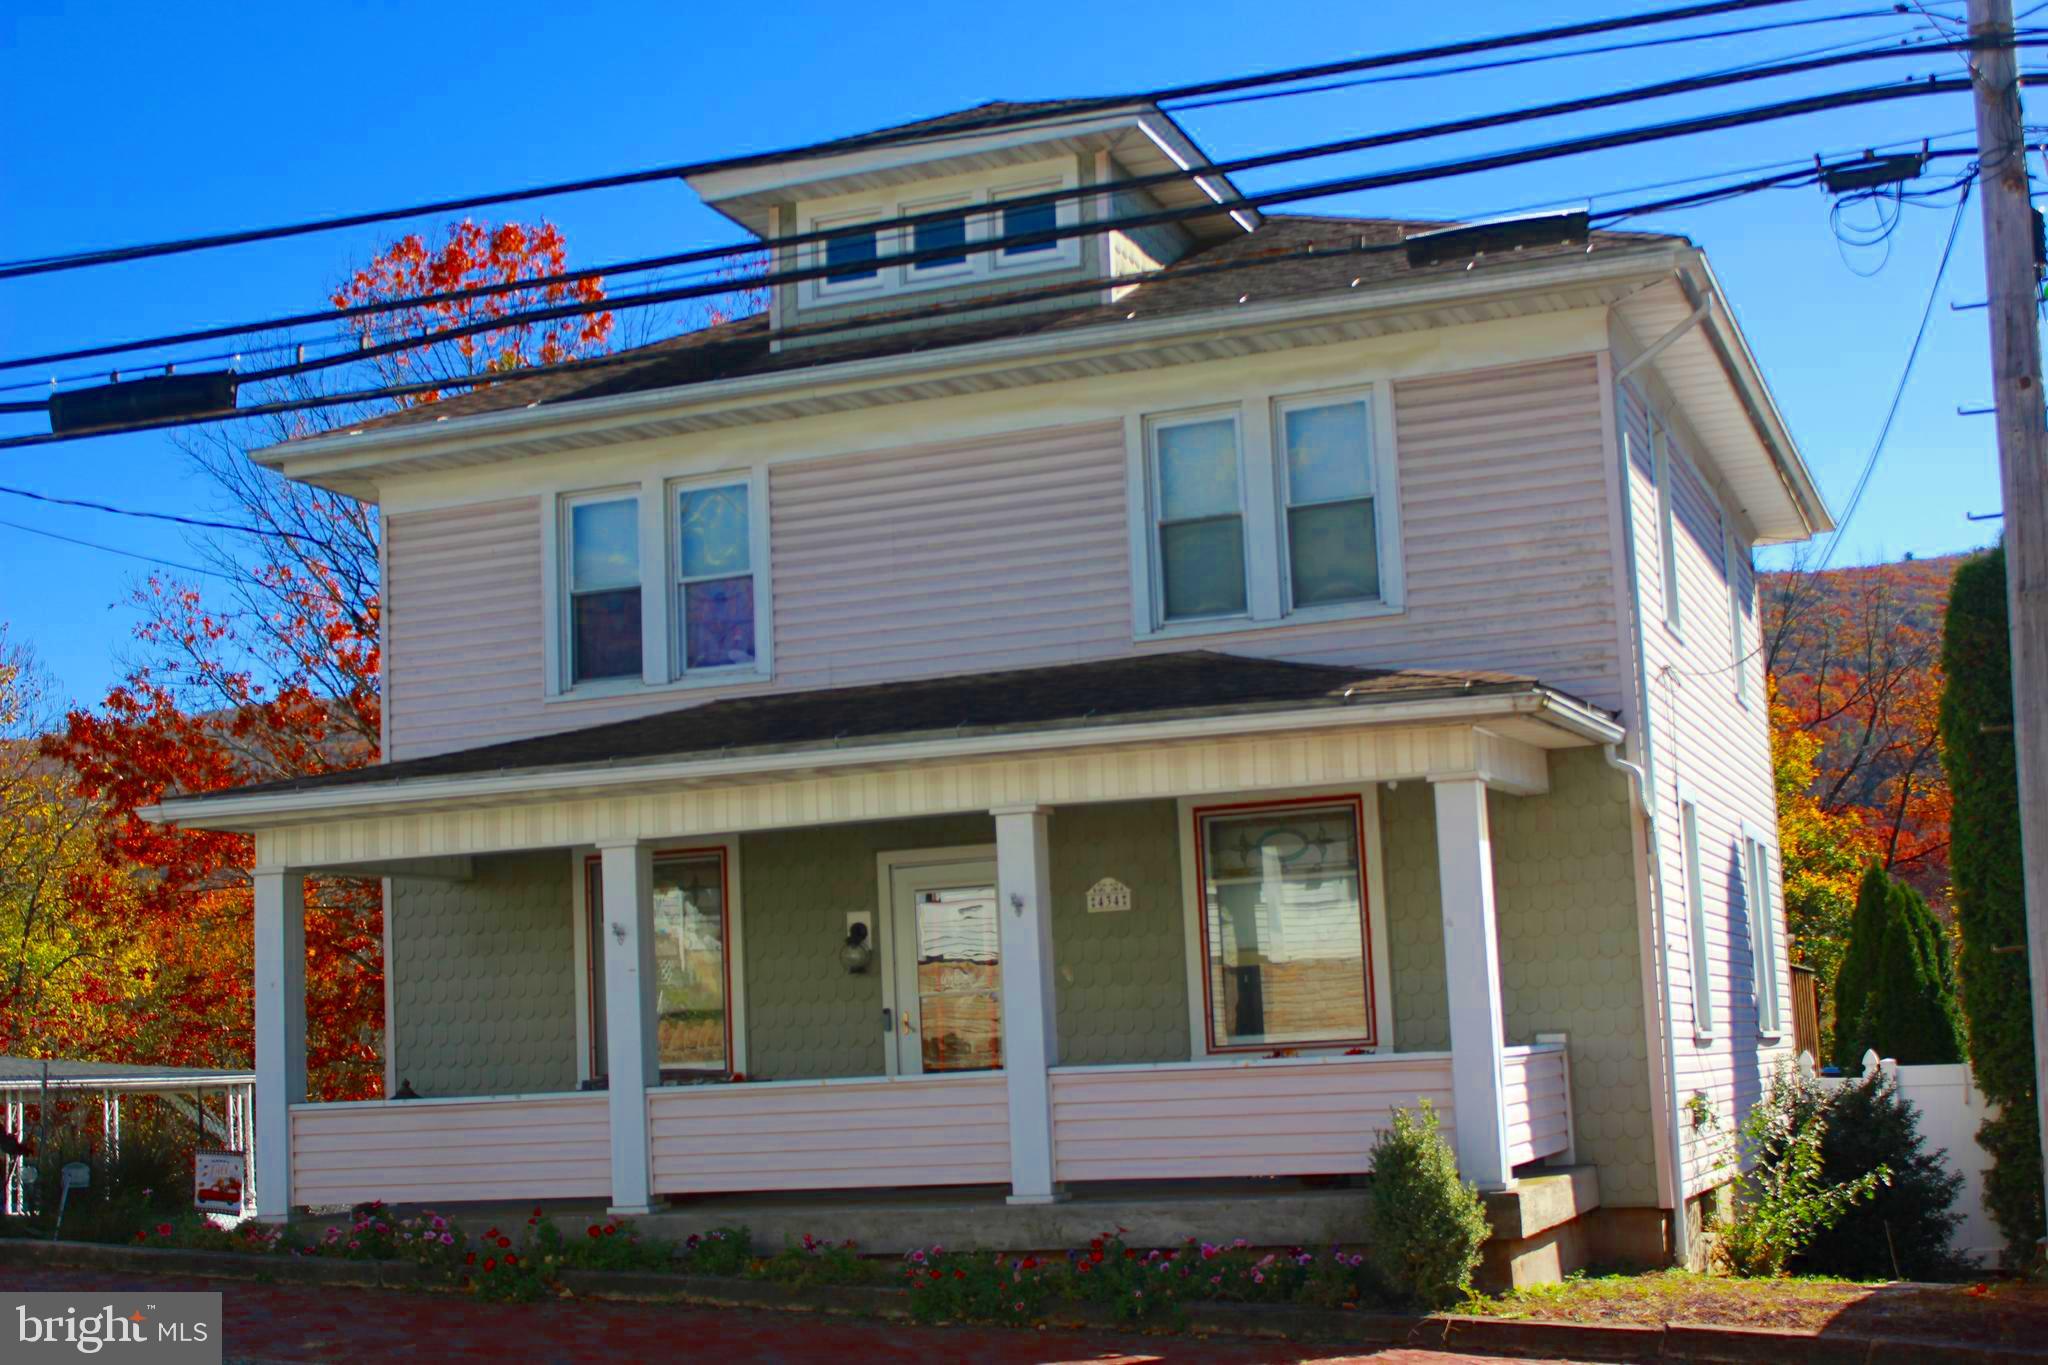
(689,961)
(959,979)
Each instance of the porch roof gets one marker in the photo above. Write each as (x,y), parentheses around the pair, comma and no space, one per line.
(1072,702)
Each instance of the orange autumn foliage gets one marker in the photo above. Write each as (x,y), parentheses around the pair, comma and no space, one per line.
(276,677)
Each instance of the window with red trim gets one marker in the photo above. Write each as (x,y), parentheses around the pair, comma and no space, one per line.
(693,1024)
(1286,948)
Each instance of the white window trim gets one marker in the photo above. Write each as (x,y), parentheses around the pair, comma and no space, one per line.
(1667,528)
(658,671)
(984,224)
(825,289)
(1762,908)
(1704,1018)
(1151,426)
(1065,252)
(1264,512)
(763,667)
(556,565)
(1732,563)
(1375,911)
(735,943)
(1278,409)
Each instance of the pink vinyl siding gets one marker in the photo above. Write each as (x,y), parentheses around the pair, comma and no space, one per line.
(1539,1103)
(810,1135)
(1013,550)
(1236,1118)
(1717,749)
(429,1151)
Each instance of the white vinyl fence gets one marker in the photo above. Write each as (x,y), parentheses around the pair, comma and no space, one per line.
(1951,1108)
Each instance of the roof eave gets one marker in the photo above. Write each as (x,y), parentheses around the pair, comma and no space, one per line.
(355,453)
(1577,721)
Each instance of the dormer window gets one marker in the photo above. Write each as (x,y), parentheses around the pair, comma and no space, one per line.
(946,247)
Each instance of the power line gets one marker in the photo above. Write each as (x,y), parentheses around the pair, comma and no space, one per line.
(910,222)
(1803,176)
(200,522)
(1898,394)
(953,129)
(116,550)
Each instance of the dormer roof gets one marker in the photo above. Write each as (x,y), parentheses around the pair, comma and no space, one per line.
(1142,138)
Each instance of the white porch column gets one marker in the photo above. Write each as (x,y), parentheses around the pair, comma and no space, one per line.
(631,1057)
(1464,851)
(1030,1024)
(280,941)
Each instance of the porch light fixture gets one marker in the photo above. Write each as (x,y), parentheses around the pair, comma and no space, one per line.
(856,953)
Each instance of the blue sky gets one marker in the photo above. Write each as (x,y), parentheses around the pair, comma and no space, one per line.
(127,122)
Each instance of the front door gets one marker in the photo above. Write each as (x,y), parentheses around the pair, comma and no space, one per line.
(946,969)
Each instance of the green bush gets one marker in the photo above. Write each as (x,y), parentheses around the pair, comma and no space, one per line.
(1984,862)
(1903,1230)
(1427,1224)
(1783,1198)
(958,1286)
(721,1251)
(1896,998)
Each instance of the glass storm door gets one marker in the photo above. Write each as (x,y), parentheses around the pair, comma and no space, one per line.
(947,968)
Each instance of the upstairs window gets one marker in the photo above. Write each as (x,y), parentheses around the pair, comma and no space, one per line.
(714,577)
(851,258)
(1696,918)
(1737,566)
(1332,537)
(1667,526)
(1030,219)
(939,234)
(1198,502)
(603,569)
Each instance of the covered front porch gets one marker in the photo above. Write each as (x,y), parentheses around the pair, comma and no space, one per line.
(1150,952)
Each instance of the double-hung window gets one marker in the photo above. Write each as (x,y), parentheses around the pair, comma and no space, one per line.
(1736,564)
(1763,931)
(602,531)
(1331,531)
(714,577)
(1196,470)
(1696,918)
(1286,953)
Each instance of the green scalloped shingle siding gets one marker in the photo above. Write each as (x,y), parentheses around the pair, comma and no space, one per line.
(1122,977)
(483,978)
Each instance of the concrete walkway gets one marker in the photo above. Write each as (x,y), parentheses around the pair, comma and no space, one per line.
(321,1323)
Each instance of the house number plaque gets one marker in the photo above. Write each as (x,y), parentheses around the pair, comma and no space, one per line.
(1108,896)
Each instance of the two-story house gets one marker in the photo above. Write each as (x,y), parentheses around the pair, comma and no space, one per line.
(1093,685)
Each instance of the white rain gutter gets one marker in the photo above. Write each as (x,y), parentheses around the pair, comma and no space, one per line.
(287,806)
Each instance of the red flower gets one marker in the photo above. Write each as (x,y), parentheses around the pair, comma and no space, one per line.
(511,1260)
(491,1263)
(536,1210)
(959,1274)
(1095,1244)
(1095,1258)
(1031,1263)
(596,1231)
(610,1228)
(504,1241)
(936,1275)
(470,1259)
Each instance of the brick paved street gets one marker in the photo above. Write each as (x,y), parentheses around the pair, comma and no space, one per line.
(319,1323)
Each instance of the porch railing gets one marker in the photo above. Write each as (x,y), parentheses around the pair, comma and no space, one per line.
(838,1134)
(1538,1100)
(1285,1116)
(432,1151)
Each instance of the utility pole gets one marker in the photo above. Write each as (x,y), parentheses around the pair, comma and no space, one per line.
(2012,281)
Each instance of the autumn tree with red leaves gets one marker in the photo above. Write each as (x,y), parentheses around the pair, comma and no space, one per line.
(277,675)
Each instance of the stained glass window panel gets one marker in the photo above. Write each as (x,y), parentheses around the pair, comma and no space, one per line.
(1284,933)
(606,630)
(718,623)
(1202,568)
(714,535)
(1329,452)
(1197,469)
(1333,553)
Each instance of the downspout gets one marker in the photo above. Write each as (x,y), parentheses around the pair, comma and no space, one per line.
(1643,781)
